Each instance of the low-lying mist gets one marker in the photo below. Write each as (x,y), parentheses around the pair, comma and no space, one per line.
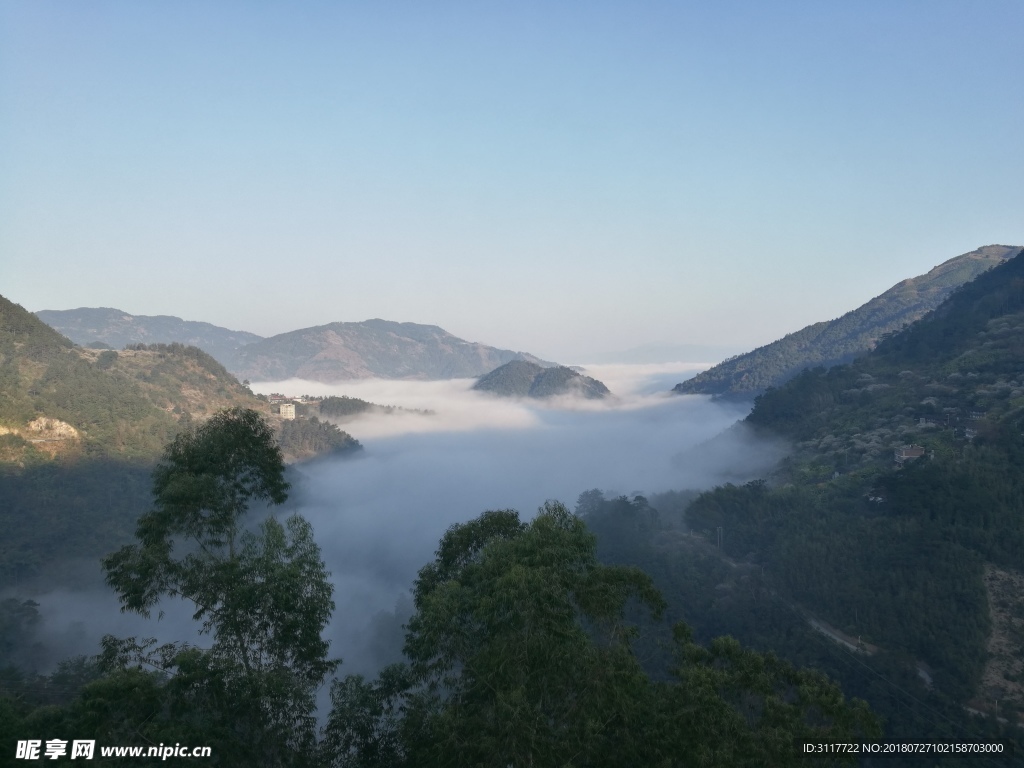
(378,516)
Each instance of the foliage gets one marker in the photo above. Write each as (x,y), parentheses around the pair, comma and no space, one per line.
(513,379)
(302,438)
(263,596)
(893,554)
(18,622)
(21,331)
(519,654)
(56,513)
(126,404)
(340,407)
(204,485)
(753,596)
(560,380)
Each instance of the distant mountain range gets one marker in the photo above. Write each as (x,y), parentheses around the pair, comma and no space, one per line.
(116,329)
(838,341)
(373,348)
(327,353)
(521,378)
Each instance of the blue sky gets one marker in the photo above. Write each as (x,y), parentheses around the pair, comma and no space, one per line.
(568,179)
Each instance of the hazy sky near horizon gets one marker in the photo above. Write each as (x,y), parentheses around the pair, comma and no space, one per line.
(568,179)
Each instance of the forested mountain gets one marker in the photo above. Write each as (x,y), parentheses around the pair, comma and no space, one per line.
(373,348)
(840,340)
(58,398)
(80,429)
(521,378)
(117,329)
(888,549)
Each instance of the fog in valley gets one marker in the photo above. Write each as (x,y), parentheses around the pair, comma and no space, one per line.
(378,517)
(449,455)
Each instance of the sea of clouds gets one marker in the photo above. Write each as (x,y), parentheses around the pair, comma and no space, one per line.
(378,516)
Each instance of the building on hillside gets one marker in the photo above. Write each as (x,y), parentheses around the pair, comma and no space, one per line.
(287,410)
(908,453)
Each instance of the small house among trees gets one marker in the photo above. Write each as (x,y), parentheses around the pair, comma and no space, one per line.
(908,453)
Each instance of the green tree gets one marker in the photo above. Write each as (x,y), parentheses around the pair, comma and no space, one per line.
(262,595)
(520,655)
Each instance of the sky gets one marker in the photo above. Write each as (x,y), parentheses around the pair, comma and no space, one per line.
(568,179)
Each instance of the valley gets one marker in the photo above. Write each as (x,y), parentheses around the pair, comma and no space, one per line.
(859,520)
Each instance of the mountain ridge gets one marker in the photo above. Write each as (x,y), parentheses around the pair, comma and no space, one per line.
(117,329)
(373,348)
(890,534)
(838,341)
(338,351)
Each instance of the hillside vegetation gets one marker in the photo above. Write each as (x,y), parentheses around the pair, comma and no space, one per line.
(80,429)
(840,340)
(520,378)
(885,549)
(60,399)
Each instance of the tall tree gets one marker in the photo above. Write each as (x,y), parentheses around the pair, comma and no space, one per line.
(262,595)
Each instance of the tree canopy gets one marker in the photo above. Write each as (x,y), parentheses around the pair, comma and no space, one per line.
(521,654)
(263,595)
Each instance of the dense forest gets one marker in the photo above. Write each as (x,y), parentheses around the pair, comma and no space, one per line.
(894,524)
(344,407)
(305,438)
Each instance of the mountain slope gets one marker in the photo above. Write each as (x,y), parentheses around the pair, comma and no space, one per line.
(840,340)
(81,428)
(898,514)
(901,579)
(117,329)
(373,348)
(60,399)
(520,378)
